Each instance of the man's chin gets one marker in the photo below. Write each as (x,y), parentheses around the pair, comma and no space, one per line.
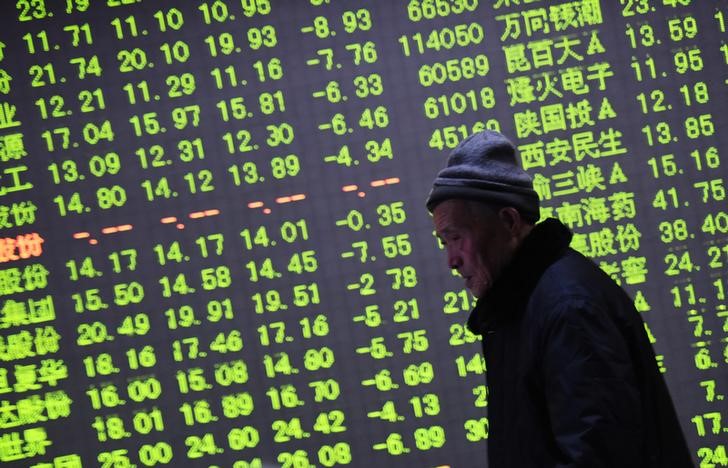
(476,290)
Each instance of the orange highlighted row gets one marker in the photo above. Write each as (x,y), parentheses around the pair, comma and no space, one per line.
(202,214)
(374,183)
(129,227)
(279,200)
(193,215)
(115,229)
(292,198)
(21,247)
(382,182)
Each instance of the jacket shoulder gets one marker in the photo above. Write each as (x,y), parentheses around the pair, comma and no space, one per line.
(573,277)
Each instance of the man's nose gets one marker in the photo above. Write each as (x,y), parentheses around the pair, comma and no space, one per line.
(454,261)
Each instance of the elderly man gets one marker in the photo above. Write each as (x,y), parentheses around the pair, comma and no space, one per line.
(571,375)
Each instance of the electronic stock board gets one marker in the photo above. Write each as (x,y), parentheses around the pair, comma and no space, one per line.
(214,245)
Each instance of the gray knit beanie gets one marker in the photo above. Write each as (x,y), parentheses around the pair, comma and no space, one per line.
(484,167)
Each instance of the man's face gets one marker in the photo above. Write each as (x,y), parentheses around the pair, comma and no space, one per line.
(478,244)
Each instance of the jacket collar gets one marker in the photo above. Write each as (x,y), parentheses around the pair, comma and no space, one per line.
(507,298)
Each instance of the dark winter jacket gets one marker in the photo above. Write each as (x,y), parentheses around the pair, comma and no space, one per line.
(572,377)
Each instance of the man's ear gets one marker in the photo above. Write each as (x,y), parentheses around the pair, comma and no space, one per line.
(511,219)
